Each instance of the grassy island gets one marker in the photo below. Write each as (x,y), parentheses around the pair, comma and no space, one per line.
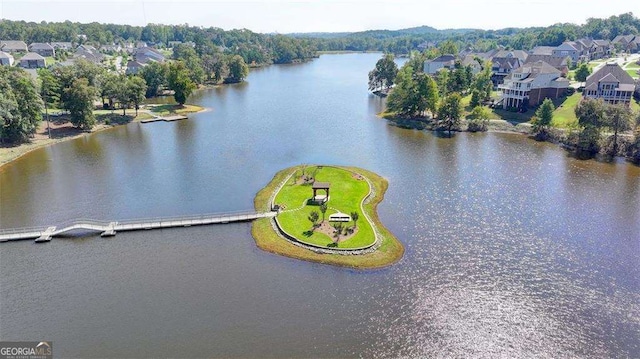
(348,226)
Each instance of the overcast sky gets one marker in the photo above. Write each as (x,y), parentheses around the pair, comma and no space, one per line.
(286,16)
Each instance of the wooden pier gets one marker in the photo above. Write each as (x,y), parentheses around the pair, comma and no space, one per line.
(165,118)
(110,228)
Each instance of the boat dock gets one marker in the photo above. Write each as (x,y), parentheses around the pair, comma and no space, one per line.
(110,228)
(165,118)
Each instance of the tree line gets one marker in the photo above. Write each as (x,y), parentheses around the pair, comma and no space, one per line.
(254,48)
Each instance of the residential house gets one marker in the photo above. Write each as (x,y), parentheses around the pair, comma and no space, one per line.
(88,53)
(610,83)
(426,45)
(519,54)
(568,49)
(472,61)
(6,59)
(62,46)
(542,50)
(32,60)
(625,43)
(110,48)
(560,63)
(141,44)
(602,49)
(441,62)
(13,46)
(146,54)
(42,49)
(133,67)
(530,84)
(501,67)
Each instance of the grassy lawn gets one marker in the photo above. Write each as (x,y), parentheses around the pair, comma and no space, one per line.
(346,194)
(48,61)
(564,116)
(632,72)
(500,114)
(389,252)
(635,106)
(632,65)
(170,109)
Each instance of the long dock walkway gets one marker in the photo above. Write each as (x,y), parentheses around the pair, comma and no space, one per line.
(109,228)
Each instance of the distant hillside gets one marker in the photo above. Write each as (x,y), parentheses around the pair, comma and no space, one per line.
(383,34)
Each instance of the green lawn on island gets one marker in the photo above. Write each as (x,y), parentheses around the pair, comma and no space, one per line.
(345,195)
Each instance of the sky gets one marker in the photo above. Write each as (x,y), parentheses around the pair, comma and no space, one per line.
(286,16)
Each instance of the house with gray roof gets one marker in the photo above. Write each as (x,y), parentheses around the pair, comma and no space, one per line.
(542,50)
(43,49)
(611,83)
(567,49)
(501,67)
(440,62)
(32,60)
(560,63)
(473,62)
(6,59)
(133,67)
(13,46)
(62,45)
(88,53)
(147,54)
(530,84)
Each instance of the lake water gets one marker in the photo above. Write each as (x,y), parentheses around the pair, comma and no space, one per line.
(513,248)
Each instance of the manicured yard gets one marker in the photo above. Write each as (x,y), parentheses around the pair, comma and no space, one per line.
(170,109)
(346,194)
(632,72)
(564,115)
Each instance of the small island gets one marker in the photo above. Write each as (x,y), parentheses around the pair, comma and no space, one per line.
(326,214)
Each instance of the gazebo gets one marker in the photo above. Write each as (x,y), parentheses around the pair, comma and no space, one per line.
(320,198)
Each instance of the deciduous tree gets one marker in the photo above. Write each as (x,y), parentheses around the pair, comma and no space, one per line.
(450,112)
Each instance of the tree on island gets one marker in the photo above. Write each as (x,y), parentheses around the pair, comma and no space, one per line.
(179,82)
(354,217)
(542,119)
(383,75)
(313,218)
(323,209)
(450,112)
(583,72)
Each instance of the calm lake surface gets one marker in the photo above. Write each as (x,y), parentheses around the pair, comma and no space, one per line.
(513,249)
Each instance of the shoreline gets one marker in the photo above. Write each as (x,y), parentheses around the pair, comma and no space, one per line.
(389,252)
(10,154)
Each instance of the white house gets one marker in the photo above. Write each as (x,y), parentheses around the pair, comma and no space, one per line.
(6,59)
